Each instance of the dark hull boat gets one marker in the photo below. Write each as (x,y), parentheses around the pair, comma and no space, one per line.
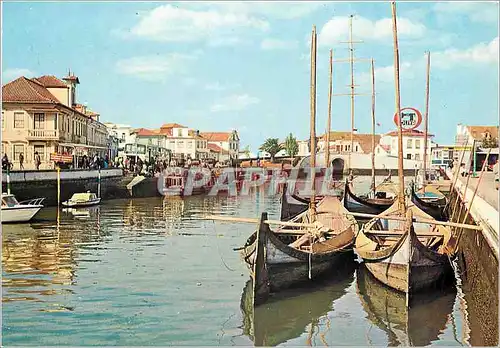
(286,257)
(287,315)
(356,204)
(292,205)
(406,256)
(419,325)
(435,207)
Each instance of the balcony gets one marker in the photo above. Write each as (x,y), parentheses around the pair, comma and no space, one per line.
(43,134)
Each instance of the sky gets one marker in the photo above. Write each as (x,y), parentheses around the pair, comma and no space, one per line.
(217,66)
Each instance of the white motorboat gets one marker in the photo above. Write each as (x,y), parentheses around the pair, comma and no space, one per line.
(24,211)
(86,199)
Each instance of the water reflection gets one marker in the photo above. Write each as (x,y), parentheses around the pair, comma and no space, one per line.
(288,314)
(427,318)
(34,261)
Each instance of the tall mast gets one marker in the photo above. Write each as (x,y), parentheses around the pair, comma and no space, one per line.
(329,121)
(351,62)
(401,196)
(373,128)
(426,115)
(313,123)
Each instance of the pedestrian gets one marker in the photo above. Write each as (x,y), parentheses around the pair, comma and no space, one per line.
(21,161)
(462,170)
(37,160)
(5,162)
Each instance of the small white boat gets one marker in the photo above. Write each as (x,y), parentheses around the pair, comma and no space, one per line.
(86,199)
(14,211)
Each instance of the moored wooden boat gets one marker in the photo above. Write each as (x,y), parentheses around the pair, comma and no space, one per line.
(288,314)
(285,257)
(419,325)
(292,205)
(357,204)
(407,256)
(433,205)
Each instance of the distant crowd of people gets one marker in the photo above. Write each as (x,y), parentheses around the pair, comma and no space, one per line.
(8,165)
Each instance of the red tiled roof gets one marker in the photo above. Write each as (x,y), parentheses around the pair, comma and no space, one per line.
(214,148)
(364,140)
(28,91)
(72,77)
(478,132)
(216,136)
(50,81)
(410,133)
(166,131)
(173,125)
(145,132)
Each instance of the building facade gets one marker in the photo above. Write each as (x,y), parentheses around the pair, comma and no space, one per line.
(413,144)
(41,116)
(477,140)
(226,143)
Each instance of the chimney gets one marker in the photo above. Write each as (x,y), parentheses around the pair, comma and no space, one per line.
(71,80)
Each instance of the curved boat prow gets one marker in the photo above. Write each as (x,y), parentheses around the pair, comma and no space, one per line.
(261,287)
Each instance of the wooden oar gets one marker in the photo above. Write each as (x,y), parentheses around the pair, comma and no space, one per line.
(425,221)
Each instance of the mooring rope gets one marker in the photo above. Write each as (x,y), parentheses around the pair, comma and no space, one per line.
(218,250)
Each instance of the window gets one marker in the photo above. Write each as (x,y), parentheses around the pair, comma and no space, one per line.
(408,144)
(417,143)
(189,145)
(39,121)
(356,148)
(417,156)
(3,149)
(3,121)
(18,149)
(18,120)
(180,143)
(55,121)
(41,151)
(408,156)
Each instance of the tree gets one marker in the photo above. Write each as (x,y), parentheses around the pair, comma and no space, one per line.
(271,146)
(246,151)
(489,142)
(291,146)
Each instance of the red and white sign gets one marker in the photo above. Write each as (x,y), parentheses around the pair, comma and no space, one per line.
(56,157)
(411,118)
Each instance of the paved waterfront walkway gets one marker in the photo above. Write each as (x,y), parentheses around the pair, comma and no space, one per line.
(486,189)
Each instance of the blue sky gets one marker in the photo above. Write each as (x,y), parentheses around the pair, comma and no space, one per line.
(216,66)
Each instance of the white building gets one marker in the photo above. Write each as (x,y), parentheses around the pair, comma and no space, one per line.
(466,135)
(123,133)
(184,142)
(226,144)
(413,144)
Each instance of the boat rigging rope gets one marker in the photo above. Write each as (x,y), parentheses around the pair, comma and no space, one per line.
(218,250)
(310,257)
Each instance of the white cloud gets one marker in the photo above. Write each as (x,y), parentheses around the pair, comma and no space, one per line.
(338,29)
(275,44)
(13,73)
(476,11)
(234,103)
(482,53)
(170,23)
(155,68)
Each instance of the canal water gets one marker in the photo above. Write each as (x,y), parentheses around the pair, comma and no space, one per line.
(150,272)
